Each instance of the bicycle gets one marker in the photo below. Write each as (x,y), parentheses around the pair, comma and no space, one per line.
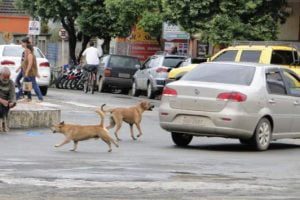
(90,81)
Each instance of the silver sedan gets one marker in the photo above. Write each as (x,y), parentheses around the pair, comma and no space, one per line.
(251,102)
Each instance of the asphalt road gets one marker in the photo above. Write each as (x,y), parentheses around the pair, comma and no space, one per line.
(149,168)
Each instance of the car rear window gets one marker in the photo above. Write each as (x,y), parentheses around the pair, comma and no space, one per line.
(16,51)
(250,56)
(221,73)
(282,57)
(227,56)
(172,61)
(120,61)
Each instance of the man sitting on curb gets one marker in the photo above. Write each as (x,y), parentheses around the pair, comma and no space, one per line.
(7,97)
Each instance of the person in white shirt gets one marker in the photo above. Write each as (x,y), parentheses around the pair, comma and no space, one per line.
(92,58)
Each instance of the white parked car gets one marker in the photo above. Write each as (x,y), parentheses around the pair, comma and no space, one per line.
(10,56)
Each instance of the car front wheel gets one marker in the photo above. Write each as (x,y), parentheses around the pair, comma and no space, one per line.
(134,91)
(150,92)
(262,135)
(181,139)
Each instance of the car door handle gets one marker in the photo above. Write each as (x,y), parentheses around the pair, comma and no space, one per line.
(272,101)
(297,103)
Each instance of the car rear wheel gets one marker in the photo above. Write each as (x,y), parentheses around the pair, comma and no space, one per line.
(134,91)
(181,139)
(150,92)
(44,90)
(262,135)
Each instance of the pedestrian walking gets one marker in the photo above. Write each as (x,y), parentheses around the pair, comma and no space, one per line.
(31,72)
(20,70)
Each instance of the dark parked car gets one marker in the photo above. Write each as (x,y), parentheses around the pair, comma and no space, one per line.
(116,71)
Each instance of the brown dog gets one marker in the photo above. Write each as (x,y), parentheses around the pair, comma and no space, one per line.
(84,132)
(131,115)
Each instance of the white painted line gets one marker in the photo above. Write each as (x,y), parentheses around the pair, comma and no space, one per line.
(172,185)
(49,104)
(80,104)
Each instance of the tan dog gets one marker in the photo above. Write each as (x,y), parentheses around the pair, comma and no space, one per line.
(84,132)
(131,115)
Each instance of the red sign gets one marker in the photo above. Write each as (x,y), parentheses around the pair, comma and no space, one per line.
(143,50)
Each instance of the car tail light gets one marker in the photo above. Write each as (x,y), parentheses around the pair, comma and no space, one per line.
(169,92)
(7,62)
(44,64)
(162,69)
(232,96)
(107,72)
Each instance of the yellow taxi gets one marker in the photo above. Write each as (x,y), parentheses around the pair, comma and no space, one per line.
(278,53)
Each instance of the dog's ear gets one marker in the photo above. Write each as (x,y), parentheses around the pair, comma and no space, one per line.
(62,123)
(144,104)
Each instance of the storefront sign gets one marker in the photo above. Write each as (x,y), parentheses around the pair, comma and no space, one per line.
(173,32)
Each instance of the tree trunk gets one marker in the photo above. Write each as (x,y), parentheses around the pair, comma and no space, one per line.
(106,45)
(68,24)
(85,41)
(160,42)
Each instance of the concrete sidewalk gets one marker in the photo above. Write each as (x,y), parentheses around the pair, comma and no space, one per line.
(33,115)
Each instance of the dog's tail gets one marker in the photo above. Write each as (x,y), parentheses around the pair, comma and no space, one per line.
(102,109)
(102,116)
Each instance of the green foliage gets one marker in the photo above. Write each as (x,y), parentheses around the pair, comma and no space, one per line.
(146,14)
(94,20)
(223,21)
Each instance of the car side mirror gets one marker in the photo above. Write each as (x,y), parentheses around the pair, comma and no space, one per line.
(138,66)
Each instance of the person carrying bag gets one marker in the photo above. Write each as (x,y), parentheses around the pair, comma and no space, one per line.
(31,72)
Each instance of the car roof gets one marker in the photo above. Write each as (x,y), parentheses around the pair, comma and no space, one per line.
(122,56)
(246,64)
(13,45)
(259,47)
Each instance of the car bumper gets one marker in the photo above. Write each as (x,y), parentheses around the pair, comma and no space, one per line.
(211,124)
(159,84)
(118,82)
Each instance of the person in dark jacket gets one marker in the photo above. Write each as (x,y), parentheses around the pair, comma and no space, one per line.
(7,97)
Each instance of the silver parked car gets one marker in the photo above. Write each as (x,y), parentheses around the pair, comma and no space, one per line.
(152,75)
(252,102)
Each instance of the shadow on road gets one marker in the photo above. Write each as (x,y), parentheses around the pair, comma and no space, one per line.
(232,147)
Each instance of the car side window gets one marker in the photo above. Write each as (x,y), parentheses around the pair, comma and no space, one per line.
(250,56)
(227,56)
(282,57)
(293,83)
(154,62)
(275,83)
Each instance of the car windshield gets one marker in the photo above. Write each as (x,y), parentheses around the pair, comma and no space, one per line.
(221,73)
(172,61)
(16,51)
(122,61)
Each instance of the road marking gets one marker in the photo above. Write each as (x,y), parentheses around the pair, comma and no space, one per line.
(80,104)
(171,185)
(47,104)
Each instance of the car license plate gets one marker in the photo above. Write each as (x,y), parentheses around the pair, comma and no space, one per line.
(193,120)
(122,75)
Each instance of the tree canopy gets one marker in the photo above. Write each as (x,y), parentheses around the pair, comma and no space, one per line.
(219,22)
(223,21)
